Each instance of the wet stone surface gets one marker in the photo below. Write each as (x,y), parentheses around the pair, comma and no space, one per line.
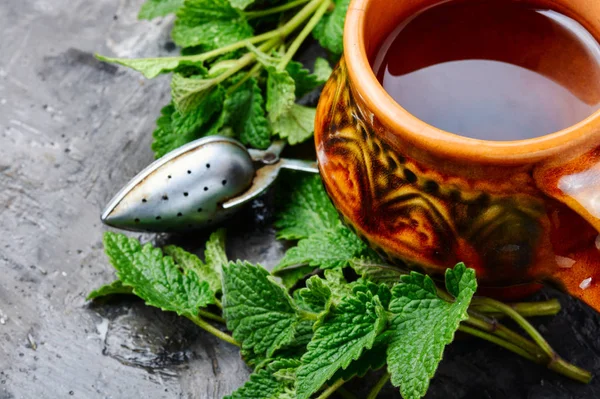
(72,132)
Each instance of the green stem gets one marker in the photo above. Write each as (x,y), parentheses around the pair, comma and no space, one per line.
(212,316)
(243,62)
(253,71)
(305,314)
(331,389)
(214,331)
(506,337)
(498,341)
(380,384)
(526,309)
(520,320)
(493,327)
(274,10)
(219,304)
(314,20)
(297,19)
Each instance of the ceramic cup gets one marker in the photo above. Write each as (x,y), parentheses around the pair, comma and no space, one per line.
(519,212)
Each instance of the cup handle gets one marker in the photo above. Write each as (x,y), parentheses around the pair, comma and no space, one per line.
(576,183)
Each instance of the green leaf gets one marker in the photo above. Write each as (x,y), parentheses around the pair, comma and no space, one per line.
(322,69)
(290,276)
(422,325)
(258,310)
(280,93)
(339,338)
(214,254)
(244,112)
(215,258)
(327,250)
(370,360)
(155,278)
(210,23)
(159,8)
(276,381)
(174,128)
(152,67)
(305,81)
(373,269)
(241,4)
(330,30)
(304,208)
(116,287)
(296,125)
(316,296)
(190,93)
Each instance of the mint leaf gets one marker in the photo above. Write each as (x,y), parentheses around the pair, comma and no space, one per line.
(244,112)
(158,8)
(327,250)
(290,276)
(305,208)
(322,69)
(339,338)
(116,287)
(152,67)
(190,93)
(276,381)
(241,4)
(155,278)
(373,269)
(210,23)
(259,311)
(165,140)
(174,128)
(316,296)
(296,125)
(305,81)
(280,93)
(330,30)
(422,325)
(372,359)
(214,259)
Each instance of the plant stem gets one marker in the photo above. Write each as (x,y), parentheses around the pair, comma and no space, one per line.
(314,20)
(274,10)
(526,309)
(380,384)
(253,71)
(498,341)
(219,304)
(495,328)
(305,314)
(520,320)
(331,389)
(214,331)
(212,316)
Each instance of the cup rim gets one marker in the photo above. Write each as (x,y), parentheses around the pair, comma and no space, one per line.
(439,141)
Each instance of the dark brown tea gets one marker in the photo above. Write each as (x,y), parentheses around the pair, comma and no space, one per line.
(492,70)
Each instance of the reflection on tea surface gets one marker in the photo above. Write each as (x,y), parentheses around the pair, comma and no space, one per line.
(492,70)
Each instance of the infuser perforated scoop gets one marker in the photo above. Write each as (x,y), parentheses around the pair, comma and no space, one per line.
(197,185)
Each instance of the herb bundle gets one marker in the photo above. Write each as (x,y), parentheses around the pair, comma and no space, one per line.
(306,337)
(310,325)
(236,75)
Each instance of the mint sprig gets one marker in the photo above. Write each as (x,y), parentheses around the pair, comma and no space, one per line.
(236,75)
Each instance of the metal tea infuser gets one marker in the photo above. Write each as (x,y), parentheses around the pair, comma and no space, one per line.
(197,185)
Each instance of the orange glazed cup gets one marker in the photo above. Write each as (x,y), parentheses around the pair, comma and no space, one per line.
(519,212)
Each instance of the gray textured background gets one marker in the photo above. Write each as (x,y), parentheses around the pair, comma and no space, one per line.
(73,131)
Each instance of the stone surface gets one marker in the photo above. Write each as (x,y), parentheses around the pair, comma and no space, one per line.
(72,131)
